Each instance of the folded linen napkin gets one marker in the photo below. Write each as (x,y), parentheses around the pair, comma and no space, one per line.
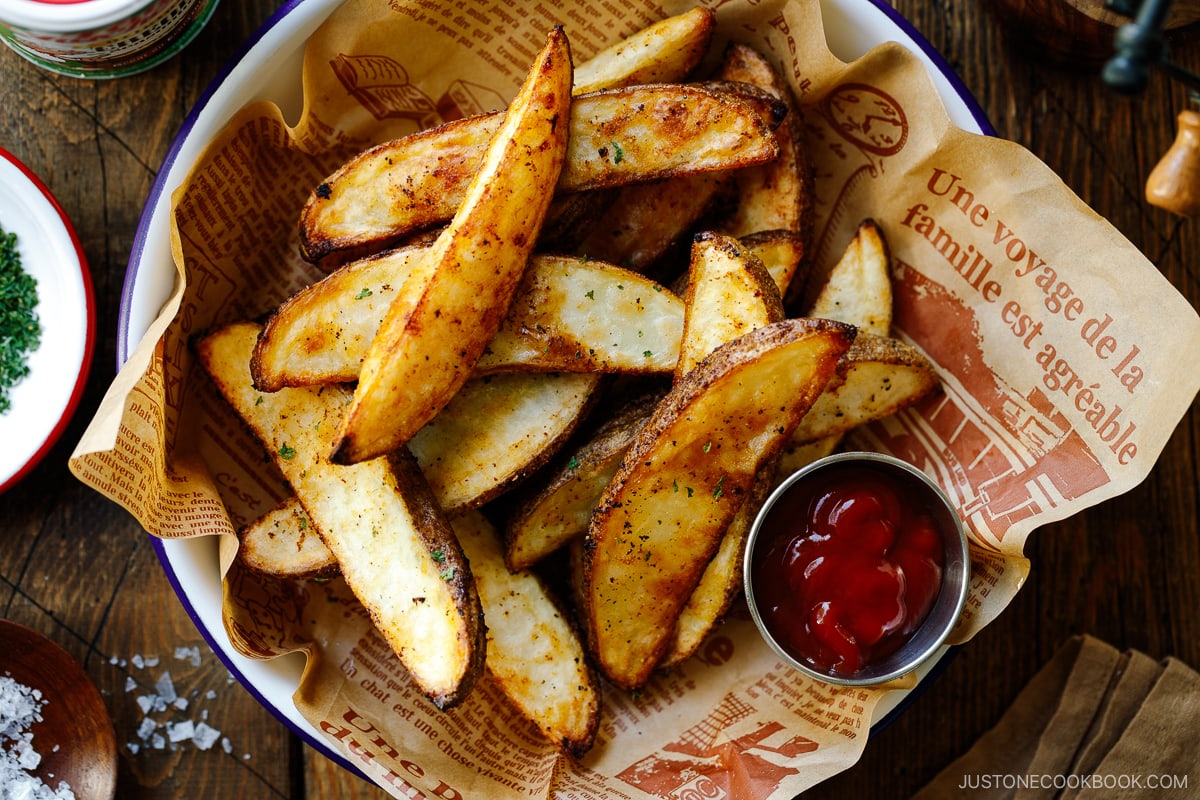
(1092,723)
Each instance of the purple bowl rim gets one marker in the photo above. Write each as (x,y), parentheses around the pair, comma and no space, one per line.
(135,261)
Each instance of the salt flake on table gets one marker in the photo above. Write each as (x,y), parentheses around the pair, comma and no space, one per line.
(180,731)
(147,727)
(205,736)
(166,688)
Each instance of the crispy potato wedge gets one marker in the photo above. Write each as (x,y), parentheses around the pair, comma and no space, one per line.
(322,333)
(560,509)
(664,52)
(569,314)
(880,376)
(858,289)
(777,195)
(681,482)
(497,430)
(429,341)
(729,293)
(577,315)
(646,221)
(533,652)
(395,549)
(617,137)
(285,544)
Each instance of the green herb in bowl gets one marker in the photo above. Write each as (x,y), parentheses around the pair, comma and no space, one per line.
(20,329)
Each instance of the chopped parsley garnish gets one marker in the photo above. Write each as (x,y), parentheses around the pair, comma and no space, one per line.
(20,329)
(363,294)
(720,488)
(287,452)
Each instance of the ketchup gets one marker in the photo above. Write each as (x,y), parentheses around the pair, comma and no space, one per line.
(849,565)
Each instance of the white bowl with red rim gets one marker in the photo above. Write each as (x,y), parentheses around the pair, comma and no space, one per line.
(44,401)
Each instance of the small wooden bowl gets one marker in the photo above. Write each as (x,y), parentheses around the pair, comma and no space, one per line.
(75,738)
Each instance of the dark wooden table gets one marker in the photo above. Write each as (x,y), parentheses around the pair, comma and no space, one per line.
(80,569)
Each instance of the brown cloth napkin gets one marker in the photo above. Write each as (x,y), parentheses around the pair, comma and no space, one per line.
(1093,723)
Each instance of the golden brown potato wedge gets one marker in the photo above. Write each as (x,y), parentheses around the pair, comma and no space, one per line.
(429,341)
(879,376)
(560,509)
(617,137)
(664,52)
(777,195)
(322,333)
(569,314)
(533,652)
(284,543)
(572,314)
(646,221)
(497,430)
(688,471)
(729,293)
(392,543)
(858,289)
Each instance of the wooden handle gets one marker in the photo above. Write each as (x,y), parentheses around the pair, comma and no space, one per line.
(1174,183)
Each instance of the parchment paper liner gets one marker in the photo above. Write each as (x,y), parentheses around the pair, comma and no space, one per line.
(1049,406)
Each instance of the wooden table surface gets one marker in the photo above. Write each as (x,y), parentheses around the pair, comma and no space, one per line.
(78,568)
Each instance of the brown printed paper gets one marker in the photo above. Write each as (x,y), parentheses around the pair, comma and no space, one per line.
(1060,387)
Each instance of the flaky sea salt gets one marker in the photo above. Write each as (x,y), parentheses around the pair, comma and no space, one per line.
(162,727)
(20,707)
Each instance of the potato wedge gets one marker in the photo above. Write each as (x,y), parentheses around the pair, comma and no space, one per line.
(569,314)
(533,652)
(322,333)
(880,376)
(777,195)
(395,549)
(683,479)
(617,137)
(283,543)
(664,52)
(578,315)
(646,221)
(729,293)
(858,289)
(496,431)
(560,509)
(427,346)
